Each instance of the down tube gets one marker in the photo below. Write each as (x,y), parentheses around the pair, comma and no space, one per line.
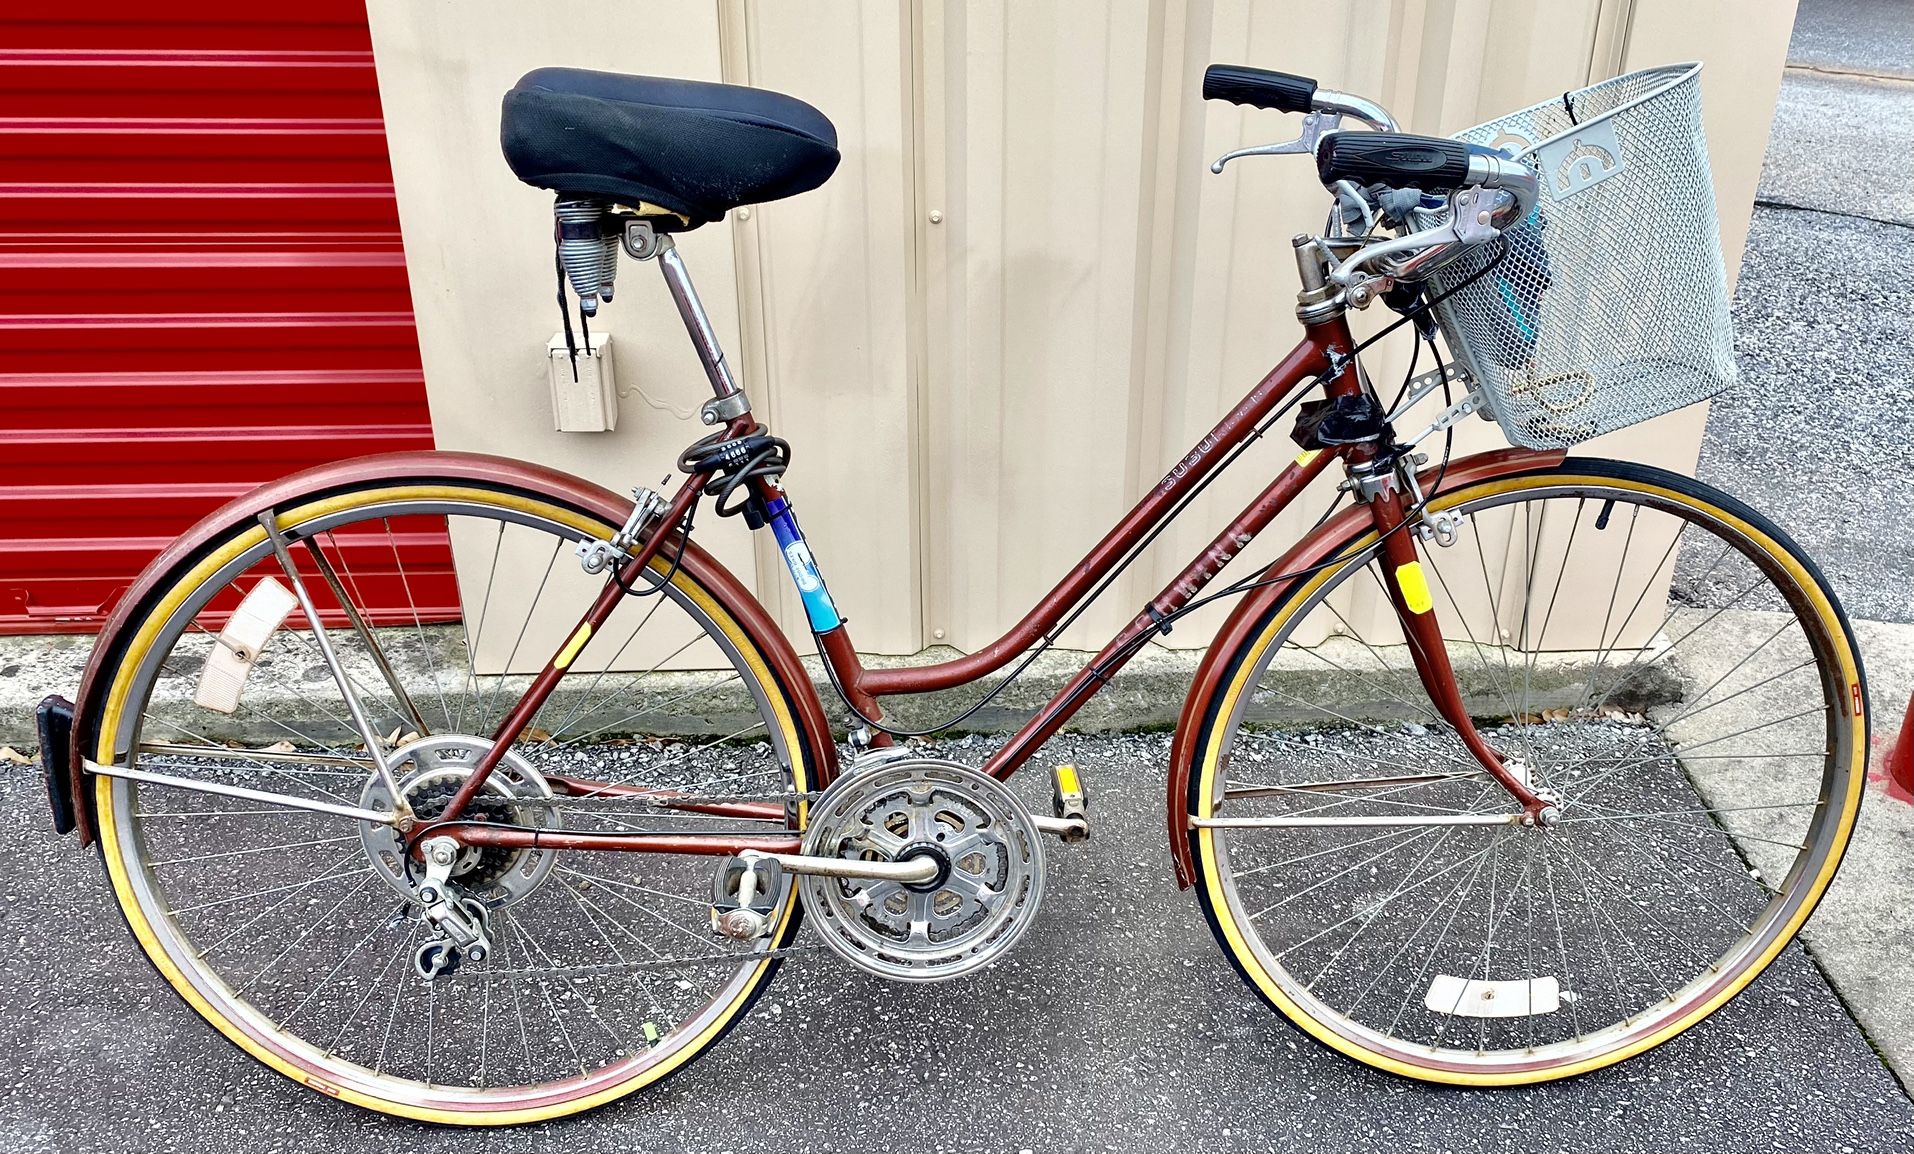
(1288,485)
(1308,360)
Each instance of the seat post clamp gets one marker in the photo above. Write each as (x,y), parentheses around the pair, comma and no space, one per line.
(723,410)
(640,239)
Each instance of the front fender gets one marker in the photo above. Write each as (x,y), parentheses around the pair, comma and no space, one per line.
(1239,630)
(474,468)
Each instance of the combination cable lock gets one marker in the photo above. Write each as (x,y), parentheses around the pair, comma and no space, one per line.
(732,463)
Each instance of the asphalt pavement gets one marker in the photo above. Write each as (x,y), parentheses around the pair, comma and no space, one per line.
(1818,434)
(1116,1025)
(1867,36)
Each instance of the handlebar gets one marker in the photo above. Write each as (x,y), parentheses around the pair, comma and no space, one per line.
(1430,163)
(1288,92)
(1487,191)
(1397,159)
(1259,87)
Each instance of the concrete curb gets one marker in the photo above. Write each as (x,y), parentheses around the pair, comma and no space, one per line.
(1148,694)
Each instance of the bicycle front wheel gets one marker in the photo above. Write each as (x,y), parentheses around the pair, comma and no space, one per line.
(299,933)
(1657,659)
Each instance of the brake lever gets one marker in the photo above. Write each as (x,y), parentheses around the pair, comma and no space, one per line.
(1477,215)
(1442,234)
(1316,125)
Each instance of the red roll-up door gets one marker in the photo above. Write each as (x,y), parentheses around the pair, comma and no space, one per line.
(201,280)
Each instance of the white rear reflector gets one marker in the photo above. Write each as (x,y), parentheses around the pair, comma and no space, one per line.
(223,677)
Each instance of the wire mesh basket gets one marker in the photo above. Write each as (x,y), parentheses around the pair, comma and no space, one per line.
(1611,304)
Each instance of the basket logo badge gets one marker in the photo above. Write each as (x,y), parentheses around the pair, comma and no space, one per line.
(1581,160)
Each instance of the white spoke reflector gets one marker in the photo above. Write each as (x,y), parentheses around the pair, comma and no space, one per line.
(223,677)
(1474,998)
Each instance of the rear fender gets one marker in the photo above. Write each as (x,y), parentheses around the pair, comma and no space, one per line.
(1240,629)
(401,468)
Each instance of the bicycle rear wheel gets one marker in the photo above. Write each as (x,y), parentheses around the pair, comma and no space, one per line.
(1658,659)
(295,932)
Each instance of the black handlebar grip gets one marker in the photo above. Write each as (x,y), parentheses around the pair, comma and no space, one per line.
(1258,87)
(1397,159)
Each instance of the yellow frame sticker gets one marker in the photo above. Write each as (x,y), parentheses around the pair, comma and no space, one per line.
(572,647)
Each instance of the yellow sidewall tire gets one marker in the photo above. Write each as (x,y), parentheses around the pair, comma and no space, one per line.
(1243,668)
(193,574)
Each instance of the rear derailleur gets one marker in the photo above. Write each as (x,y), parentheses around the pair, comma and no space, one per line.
(461,927)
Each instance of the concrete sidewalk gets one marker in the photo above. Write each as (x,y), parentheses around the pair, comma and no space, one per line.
(1862,935)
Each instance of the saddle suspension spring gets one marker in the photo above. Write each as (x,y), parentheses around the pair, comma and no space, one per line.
(587,249)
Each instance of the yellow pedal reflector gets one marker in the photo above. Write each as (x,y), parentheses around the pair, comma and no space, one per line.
(1414,586)
(1067,779)
(565,655)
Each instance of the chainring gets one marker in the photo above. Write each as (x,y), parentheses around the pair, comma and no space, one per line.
(984,896)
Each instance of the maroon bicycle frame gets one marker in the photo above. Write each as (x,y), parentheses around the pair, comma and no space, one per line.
(1326,354)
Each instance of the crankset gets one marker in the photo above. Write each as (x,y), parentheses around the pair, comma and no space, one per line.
(967,913)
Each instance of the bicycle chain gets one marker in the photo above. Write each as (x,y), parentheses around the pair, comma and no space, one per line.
(677,801)
(648,964)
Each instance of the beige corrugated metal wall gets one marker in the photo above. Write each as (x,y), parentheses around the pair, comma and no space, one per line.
(1021,297)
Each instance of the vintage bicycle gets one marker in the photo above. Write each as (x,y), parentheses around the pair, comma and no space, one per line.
(1466,783)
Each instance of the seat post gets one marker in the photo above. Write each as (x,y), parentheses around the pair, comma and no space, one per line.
(703,337)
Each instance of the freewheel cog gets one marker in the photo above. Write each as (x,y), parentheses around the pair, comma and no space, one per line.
(430,772)
(984,895)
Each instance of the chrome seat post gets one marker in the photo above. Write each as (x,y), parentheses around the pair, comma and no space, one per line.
(728,400)
(678,280)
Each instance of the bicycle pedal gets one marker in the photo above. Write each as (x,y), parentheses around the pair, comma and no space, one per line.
(1069,803)
(744,896)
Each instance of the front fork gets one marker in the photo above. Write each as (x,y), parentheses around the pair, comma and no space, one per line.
(1408,588)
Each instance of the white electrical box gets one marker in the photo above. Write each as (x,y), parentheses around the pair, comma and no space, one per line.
(588,402)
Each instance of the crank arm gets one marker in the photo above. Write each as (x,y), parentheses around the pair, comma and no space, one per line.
(910,871)
(1067,828)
